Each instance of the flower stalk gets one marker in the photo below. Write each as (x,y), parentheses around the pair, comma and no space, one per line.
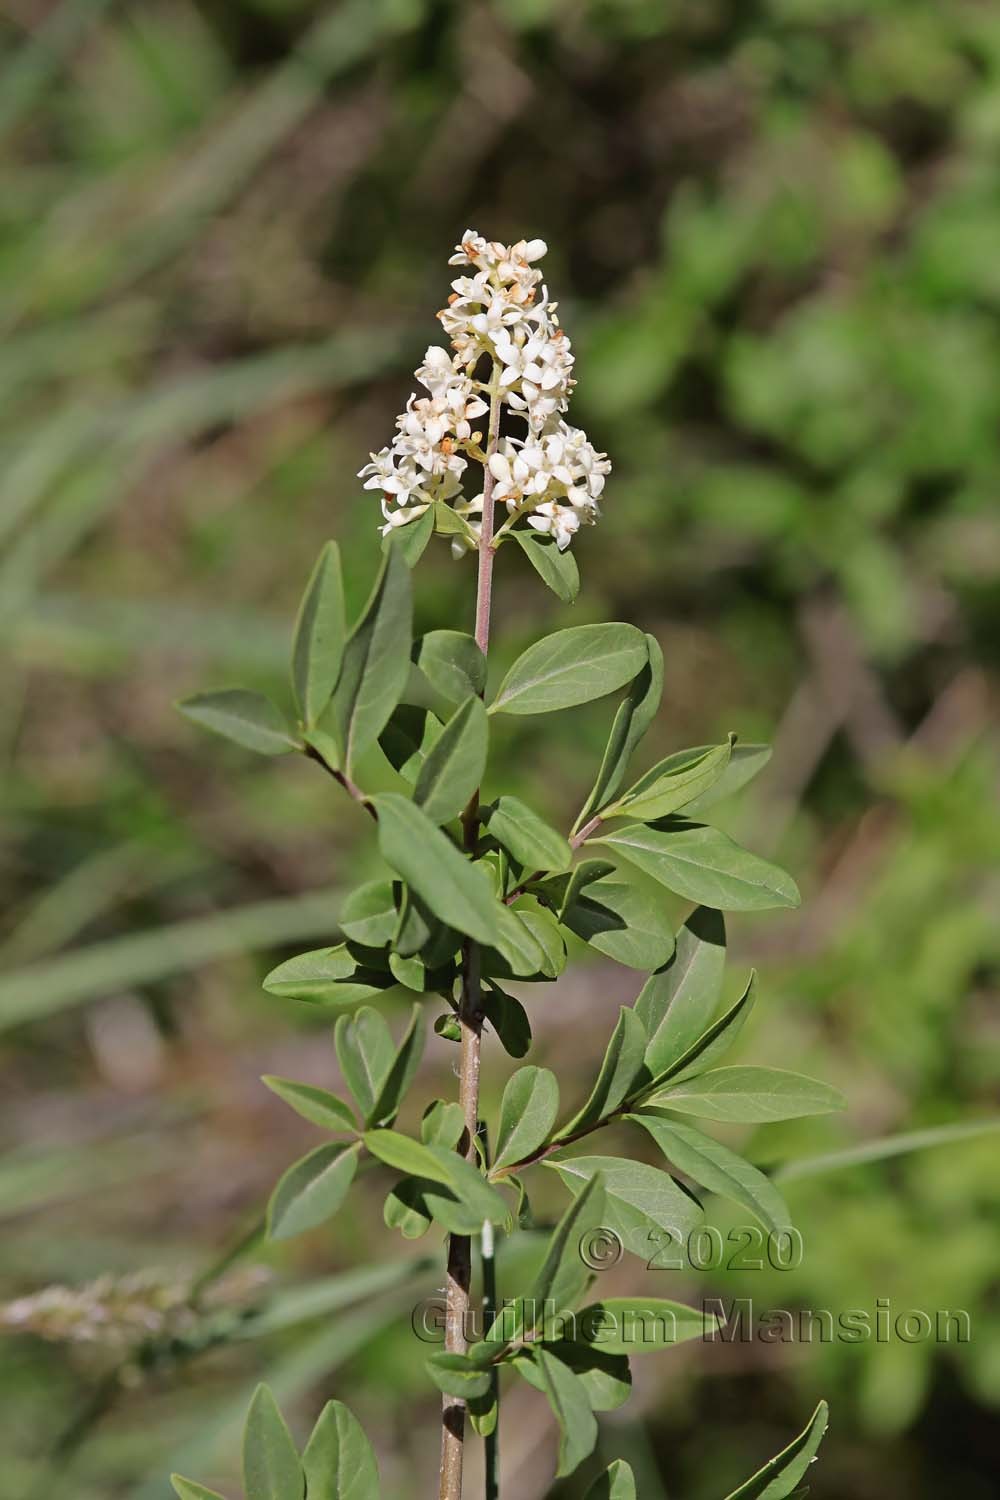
(459,1276)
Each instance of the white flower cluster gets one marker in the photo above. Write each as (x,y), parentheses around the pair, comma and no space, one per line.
(553,476)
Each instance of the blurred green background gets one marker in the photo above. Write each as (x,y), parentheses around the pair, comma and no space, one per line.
(773,231)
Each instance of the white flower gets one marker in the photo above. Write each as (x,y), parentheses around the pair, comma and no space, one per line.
(437,371)
(499,311)
(560,520)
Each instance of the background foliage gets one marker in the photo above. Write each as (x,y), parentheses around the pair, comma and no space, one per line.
(773,229)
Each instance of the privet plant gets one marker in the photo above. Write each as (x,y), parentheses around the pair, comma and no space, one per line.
(481,892)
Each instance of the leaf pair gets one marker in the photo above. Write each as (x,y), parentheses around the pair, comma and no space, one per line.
(378,1074)
(337,1464)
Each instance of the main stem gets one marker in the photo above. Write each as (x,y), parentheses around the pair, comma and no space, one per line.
(471,1020)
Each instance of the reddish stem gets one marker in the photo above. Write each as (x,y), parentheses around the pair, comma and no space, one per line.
(471,1020)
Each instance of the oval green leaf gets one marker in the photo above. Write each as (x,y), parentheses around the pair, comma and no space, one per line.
(751,1096)
(527,1113)
(339,1462)
(535,844)
(320,631)
(326,976)
(312,1190)
(557,570)
(376,661)
(718,1169)
(677,1003)
(454,767)
(643,1204)
(672,784)
(572,666)
(316,1105)
(704,865)
(453,664)
(455,890)
(248,719)
(271,1467)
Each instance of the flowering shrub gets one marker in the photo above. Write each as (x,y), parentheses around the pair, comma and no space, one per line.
(481,893)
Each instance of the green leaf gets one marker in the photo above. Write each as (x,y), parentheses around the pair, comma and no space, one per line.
(454,767)
(508,1018)
(634,716)
(414,924)
(457,1375)
(619,1070)
(750,1096)
(376,661)
(455,890)
(447,521)
(677,1003)
(406,1208)
(641,1325)
(453,664)
(626,920)
(616,1483)
(248,719)
(406,739)
(188,1490)
(442,1124)
(409,971)
(469,1190)
(271,1468)
(448,1027)
(544,932)
(339,1462)
(718,1169)
(642,1203)
(704,865)
(312,1190)
(564,889)
(412,539)
(320,632)
(316,1105)
(527,837)
(606,1378)
(369,914)
(557,570)
(671,784)
(516,952)
(410,1156)
(365,1052)
(572,666)
(401,1072)
(744,764)
(564,1274)
(326,976)
(568,1399)
(527,1113)
(714,1042)
(778,1478)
